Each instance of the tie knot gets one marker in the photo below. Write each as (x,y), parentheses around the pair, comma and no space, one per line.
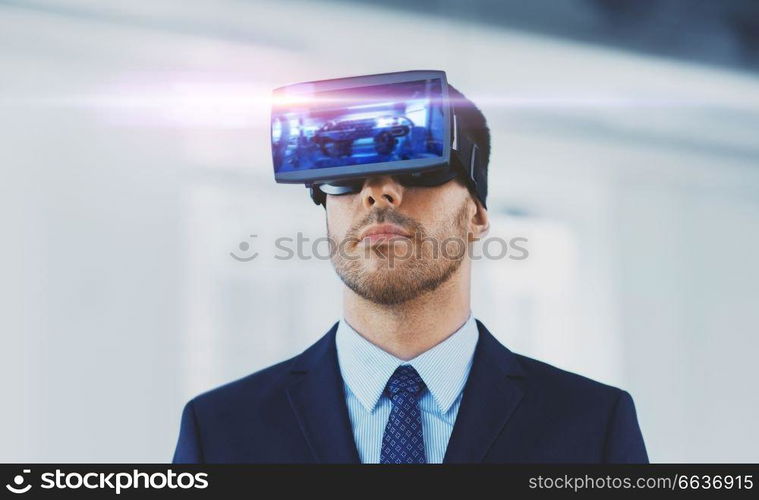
(405,379)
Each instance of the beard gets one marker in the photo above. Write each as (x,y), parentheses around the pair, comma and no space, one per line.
(394,273)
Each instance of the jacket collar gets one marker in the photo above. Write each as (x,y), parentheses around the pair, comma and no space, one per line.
(317,397)
(444,368)
(491,394)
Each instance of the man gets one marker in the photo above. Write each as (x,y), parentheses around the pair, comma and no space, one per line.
(408,375)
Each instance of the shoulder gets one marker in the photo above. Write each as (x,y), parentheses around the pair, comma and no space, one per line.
(561,414)
(562,400)
(545,382)
(243,391)
(563,386)
(593,420)
(265,385)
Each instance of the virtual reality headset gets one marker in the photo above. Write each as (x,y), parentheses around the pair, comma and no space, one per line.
(332,134)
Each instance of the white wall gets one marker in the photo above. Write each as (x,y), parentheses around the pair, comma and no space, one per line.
(133,148)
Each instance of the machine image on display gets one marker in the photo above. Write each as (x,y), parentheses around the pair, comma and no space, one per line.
(373,124)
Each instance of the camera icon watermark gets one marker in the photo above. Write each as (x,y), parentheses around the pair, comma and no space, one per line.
(18,481)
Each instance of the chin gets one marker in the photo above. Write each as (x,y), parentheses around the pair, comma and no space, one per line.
(388,295)
(387,266)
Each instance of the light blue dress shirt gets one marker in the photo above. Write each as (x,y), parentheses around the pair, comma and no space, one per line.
(366,368)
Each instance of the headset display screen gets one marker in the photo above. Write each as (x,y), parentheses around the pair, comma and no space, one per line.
(356,126)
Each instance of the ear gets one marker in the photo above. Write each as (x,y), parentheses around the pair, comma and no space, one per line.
(479,221)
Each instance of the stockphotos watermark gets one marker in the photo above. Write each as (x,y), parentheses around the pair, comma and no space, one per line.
(304,248)
(113,482)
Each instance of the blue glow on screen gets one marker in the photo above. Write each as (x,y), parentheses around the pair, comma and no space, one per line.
(373,124)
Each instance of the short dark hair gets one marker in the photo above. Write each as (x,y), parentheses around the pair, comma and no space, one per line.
(473,123)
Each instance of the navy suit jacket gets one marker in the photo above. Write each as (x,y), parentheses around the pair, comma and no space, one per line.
(514,409)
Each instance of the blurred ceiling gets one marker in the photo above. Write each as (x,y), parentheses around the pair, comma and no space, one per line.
(723,32)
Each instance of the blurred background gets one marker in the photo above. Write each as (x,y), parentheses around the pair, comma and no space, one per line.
(134,148)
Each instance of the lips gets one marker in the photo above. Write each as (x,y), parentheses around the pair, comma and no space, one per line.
(382,232)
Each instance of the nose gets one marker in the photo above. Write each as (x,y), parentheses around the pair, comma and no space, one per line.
(381,190)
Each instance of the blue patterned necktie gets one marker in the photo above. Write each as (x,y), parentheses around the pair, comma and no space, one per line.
(403,441)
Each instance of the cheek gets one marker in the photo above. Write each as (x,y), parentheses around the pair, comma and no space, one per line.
(444,224)
(338,221)
(434,205)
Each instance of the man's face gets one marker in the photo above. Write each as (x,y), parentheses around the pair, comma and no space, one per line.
(394,268)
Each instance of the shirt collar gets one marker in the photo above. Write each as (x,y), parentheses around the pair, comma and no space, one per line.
(444,368)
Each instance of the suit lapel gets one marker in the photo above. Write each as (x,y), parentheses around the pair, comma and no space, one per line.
(317,397)
(491,394)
